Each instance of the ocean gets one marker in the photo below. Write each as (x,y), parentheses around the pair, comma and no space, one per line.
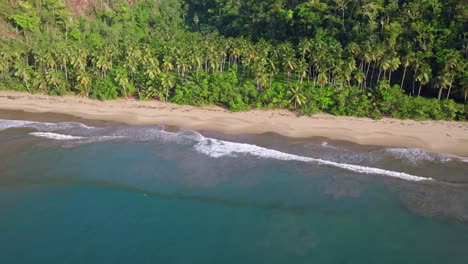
(78,191)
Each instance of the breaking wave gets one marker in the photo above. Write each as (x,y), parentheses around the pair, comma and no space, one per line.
(415,156)
(218,148)
(54,136)
(78,133)
(42,126)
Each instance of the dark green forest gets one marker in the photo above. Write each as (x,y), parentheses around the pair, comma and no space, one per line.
(372,58)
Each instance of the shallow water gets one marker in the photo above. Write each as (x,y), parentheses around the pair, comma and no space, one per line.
(76,193)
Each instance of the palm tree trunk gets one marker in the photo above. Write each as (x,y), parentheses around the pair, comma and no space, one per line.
(372,76)
(419,91)
(367,71)
(449,89)
(440,93)
(403,78)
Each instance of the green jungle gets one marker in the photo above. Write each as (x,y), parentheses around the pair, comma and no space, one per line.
(364,58)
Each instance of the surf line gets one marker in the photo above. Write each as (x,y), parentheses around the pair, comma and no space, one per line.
(219,148)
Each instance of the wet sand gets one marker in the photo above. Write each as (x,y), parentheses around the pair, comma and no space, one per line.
(438,136)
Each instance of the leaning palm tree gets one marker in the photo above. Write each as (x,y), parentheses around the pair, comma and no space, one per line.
(406,62)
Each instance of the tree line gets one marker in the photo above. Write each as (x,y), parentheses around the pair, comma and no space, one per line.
(363,58)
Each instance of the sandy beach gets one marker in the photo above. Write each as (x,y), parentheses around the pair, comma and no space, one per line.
(438,136)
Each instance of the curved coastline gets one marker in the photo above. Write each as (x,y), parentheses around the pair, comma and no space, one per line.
(438,136)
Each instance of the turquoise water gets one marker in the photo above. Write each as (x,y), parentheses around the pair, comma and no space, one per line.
(71,193)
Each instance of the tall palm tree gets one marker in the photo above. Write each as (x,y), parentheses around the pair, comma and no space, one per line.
(423,76)
(394,64)
(302,68)
(359,76)
(406,62)
(442,82)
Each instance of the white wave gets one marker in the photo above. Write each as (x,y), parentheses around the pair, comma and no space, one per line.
(416,156)
(88,140)
(54,136)
(218,148)
(44,126)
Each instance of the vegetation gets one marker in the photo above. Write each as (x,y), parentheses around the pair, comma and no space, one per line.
(374,58)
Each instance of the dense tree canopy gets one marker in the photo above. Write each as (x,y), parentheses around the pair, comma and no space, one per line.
(405,59)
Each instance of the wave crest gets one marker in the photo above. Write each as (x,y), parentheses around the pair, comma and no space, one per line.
(54,136)
(218,148)
(42,126)
(416,156)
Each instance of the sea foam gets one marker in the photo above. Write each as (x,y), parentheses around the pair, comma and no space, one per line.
(42,126)
(208,146)
(54,136)
(415,156)
(218,148)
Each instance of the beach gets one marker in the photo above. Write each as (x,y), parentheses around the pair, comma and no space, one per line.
(168,182)
(438,136)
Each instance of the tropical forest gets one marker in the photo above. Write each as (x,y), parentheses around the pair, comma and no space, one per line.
(364,58)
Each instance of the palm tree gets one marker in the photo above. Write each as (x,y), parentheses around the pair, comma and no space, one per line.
(167,82)
(423,76)
(289,63)
(295,95)
(62,56)
(384,66)
(78,59)
(83,80)
(442,82)
(416,62)
(406,61)
(394,64)
(122,79)
(259,72)
(167,64)
(103,64)
(322,78)
(304,47)
(271,68)
(54,79)
(22,71)
(359,76)
(302,68)
(40,82)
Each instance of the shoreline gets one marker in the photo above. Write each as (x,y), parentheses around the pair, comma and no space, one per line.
(448,137)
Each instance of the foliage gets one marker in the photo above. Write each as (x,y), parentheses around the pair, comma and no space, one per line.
(359,58)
